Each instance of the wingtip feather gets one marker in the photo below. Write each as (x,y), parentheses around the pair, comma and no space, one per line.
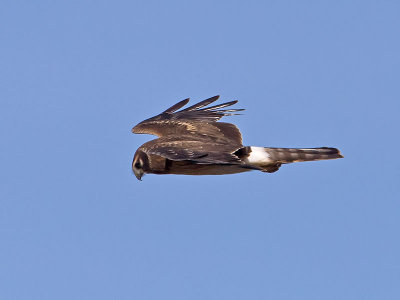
(202,103)
(177,106)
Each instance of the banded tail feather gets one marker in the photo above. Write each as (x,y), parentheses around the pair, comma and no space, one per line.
(270,159)
(289,155)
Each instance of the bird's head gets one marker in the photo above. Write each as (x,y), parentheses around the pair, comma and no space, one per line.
(139,164)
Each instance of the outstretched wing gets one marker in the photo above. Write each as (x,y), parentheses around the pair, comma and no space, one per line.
(197,119)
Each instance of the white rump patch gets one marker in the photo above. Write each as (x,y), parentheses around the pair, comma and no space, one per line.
(258,156)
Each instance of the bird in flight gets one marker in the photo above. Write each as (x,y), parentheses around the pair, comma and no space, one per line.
(191,142)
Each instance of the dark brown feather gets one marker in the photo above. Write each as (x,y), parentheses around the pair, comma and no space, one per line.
(201,104)
(222,106)
(177,106)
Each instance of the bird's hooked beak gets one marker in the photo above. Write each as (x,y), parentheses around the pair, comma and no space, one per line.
(139,174)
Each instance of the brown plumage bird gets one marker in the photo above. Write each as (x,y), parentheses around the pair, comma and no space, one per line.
(192,142)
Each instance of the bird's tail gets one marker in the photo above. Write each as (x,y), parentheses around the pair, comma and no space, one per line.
(290,155)
(270,159)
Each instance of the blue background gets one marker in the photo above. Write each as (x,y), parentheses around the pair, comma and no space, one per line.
(76,76)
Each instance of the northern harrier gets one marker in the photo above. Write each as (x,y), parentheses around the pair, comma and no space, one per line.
(192,142)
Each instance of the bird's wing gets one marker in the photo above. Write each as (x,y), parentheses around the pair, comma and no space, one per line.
(191,150)
(193,120)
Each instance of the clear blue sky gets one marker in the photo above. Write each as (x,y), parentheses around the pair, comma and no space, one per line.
(76,76)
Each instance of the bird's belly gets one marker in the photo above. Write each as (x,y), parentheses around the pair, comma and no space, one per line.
(204,169)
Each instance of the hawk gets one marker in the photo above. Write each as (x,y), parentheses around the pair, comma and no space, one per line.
(191,142)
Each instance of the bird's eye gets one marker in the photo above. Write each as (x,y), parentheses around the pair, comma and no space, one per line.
(138,165)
